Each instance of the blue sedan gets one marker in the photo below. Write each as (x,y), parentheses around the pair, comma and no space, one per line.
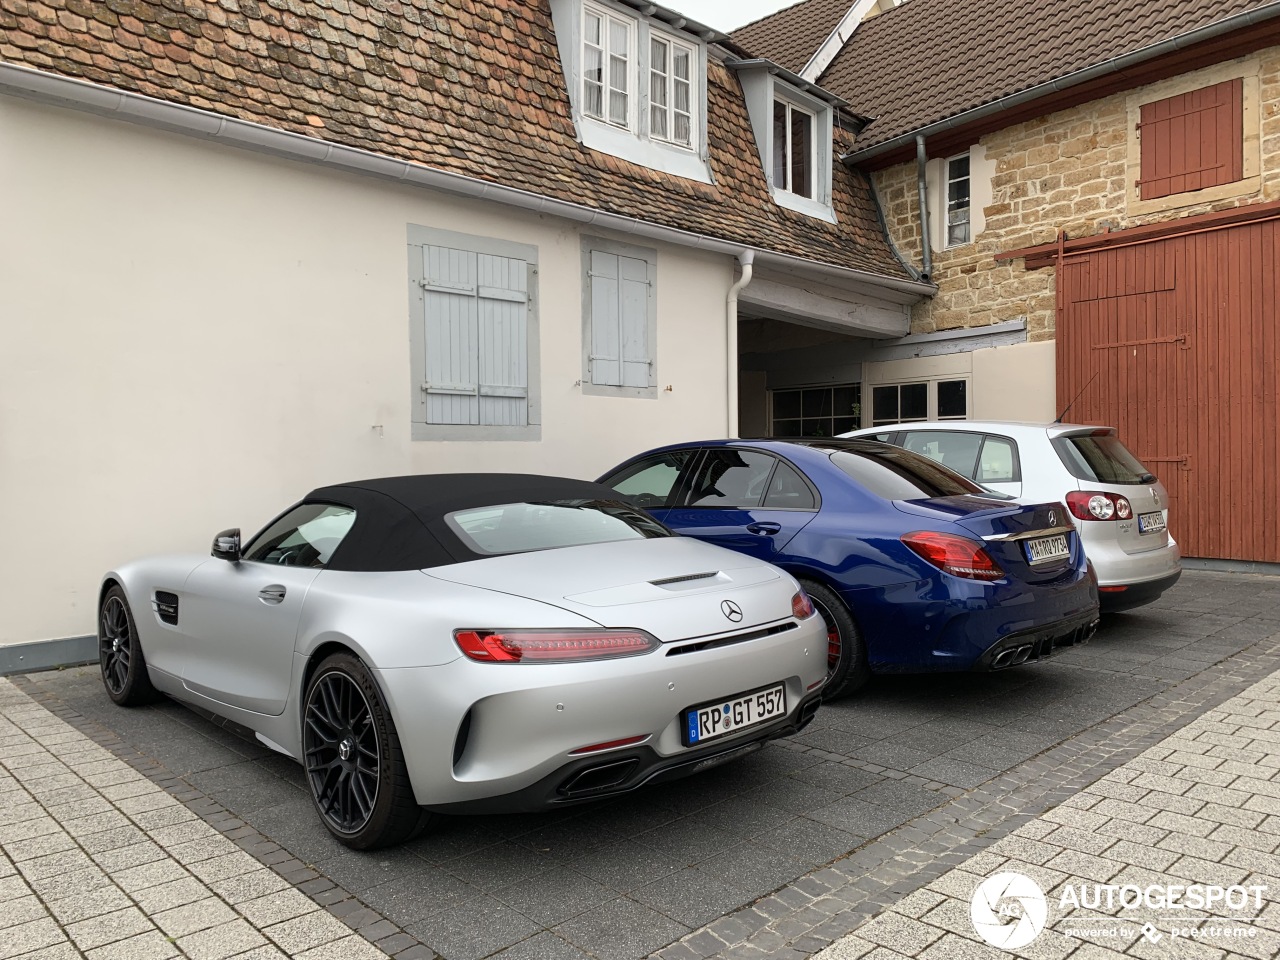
(913,567)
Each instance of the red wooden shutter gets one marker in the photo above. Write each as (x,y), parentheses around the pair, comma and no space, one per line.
(1192,141)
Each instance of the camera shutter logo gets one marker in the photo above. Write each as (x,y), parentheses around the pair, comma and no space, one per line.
(1008,910)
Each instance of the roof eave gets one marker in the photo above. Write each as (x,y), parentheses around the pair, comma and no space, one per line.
(38,85)
(1114,65)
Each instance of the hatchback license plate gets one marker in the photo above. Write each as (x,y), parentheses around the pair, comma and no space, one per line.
(1047,549)
(1151,522)
(724,717)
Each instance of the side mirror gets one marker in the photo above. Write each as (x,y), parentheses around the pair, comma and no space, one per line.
(226,545)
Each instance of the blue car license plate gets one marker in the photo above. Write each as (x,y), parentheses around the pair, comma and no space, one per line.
(1048,549)
(713,720)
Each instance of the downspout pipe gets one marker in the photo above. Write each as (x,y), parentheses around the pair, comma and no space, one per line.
(926,254)
(745,258)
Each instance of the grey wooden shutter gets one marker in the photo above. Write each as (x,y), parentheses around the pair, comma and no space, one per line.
(619,320)
(476,311)
(634,314)
(503,296)
(606,350)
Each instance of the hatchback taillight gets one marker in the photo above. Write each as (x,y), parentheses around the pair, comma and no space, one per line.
(958,556)
(551,646)
(1098,506)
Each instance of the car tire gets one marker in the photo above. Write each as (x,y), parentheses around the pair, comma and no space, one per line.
(352,760)
(847,668)
(120,658)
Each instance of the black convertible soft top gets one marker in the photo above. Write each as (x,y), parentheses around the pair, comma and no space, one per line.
(400,520)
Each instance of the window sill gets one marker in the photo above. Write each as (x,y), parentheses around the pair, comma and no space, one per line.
(466,431)
(1249,186)
(607,390)
(625,145)
(810,208)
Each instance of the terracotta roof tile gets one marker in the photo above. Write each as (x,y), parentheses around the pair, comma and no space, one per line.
(928,60)
(468,86)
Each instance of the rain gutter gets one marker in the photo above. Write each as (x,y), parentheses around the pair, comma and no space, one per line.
(152,112)
(1114,65)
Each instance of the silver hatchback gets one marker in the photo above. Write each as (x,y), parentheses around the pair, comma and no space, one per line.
(1119,507)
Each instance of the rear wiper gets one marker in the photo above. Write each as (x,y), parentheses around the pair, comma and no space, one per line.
(1147,478)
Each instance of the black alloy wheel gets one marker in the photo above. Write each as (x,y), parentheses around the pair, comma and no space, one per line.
(342,752)
(124,668)
(355,768)
(847,668)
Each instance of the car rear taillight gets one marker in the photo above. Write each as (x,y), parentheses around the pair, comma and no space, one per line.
(551,646)
(958,556)
(801,606)
(1098,506)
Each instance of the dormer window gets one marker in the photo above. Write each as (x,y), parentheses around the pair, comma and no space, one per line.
(638,83)
(793,123)
(794,160)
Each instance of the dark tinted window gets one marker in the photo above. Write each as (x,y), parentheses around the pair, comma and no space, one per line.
(959,451)
(953,399)
(649,482)
(731,478)
(523,527)
(788,491)
(306,536)
(897,474)
(1102,458)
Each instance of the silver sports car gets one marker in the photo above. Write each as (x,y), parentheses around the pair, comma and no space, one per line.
(469,643)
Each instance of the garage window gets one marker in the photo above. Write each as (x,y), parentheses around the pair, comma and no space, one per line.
(1192,141)
(816,411)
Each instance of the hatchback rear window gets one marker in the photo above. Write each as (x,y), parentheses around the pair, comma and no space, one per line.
(1101,458)
(524,527)
(897,474)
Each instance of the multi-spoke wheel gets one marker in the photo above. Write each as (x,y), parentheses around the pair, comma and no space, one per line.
(847,668)
(355,768)
(124,668)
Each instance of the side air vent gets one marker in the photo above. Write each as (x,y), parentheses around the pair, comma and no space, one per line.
(690,576)
(166,606)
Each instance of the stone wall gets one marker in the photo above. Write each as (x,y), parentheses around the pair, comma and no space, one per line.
(1073,170)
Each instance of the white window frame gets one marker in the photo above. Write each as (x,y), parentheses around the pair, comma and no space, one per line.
(948,179)
(792,108)
(650,257)
(931,400)
(420,236)
(669,88)
(608,17)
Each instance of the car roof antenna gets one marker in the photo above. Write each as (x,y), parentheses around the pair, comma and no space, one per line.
(1077,397)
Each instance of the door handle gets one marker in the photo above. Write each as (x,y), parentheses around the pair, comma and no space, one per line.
(271,594)
(767,528)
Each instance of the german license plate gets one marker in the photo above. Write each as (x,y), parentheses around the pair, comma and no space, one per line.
(1047,549)
(1151,522)
(714,720)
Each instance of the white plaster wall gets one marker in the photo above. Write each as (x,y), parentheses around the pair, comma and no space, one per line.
(193,336)
(1013,383)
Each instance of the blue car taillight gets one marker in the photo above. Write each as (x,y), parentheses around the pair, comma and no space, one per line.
(958,556)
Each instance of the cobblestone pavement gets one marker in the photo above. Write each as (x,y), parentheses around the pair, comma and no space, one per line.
(779,854)
(1201,808)
(99,861)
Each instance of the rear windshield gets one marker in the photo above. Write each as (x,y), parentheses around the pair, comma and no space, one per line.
(1101,458)
(546,525)
(897,474)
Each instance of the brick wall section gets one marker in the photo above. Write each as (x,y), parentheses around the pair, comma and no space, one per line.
(1065,171)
